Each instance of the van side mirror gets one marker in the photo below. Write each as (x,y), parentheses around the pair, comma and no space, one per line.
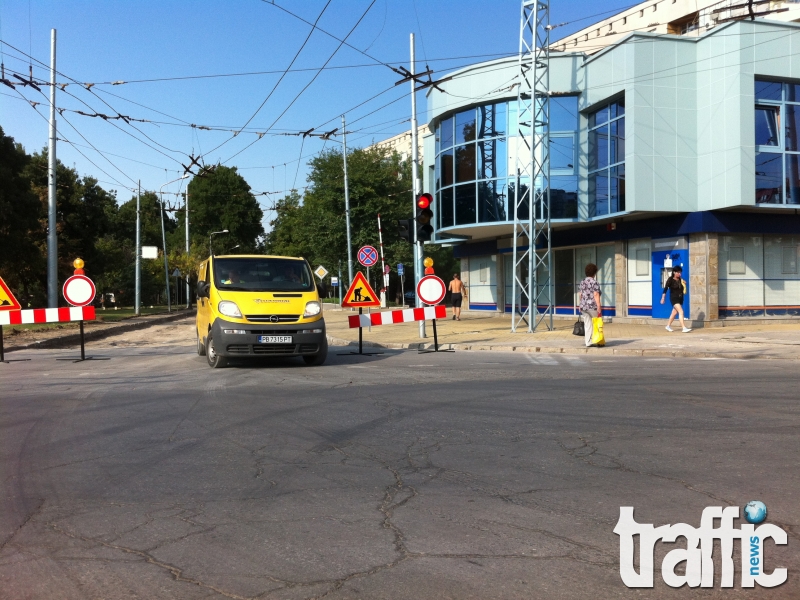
(203,289)
(322,289)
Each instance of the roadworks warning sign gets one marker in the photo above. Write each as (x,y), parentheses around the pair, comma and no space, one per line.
(7,300)
(360,294)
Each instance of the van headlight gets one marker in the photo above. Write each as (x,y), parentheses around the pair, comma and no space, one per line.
(313,308)
(229,309)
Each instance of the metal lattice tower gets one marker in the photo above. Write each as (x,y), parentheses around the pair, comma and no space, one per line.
(532,274)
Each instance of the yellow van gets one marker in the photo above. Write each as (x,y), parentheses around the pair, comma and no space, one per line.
(259,306)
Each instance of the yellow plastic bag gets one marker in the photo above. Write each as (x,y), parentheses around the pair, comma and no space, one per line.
(597,332)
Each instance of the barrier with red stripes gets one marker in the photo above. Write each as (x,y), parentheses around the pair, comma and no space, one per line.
(47,315)
(391,317)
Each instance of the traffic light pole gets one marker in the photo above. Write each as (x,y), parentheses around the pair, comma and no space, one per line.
(416,183)
(347,207)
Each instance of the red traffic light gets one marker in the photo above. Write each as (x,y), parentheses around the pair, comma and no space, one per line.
(424,201)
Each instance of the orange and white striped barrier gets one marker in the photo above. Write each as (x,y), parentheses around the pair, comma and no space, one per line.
(391,317)
(47,315)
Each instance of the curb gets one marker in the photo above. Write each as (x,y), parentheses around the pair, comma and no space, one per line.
(646,352)
(74,339)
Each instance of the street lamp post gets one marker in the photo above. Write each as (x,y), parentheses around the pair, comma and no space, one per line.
(164,237)
(210,237)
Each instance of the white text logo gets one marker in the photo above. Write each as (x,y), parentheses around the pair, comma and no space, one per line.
(699,565)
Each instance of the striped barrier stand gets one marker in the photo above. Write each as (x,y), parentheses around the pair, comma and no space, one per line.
(47,315)
(393,317)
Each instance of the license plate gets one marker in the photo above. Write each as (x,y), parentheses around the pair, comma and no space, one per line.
(274,339)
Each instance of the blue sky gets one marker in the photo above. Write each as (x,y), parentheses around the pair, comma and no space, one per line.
(113,40)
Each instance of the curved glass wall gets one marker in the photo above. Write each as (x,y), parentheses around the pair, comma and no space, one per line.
(473,181)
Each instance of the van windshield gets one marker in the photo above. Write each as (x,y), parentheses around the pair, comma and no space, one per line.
(262,275)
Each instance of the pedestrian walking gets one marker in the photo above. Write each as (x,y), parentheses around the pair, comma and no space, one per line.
(677,290)
(457,292)
(590,305)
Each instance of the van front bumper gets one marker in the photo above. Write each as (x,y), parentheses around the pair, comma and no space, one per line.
(307,339)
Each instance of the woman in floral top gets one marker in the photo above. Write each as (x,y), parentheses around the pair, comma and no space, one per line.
(590,301)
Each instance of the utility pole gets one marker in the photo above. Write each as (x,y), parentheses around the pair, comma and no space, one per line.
(52,234)
(164,242)
(416,183)
(347,206)
(188,292)
(137,308)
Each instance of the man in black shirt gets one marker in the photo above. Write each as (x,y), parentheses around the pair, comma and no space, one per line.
(677,289)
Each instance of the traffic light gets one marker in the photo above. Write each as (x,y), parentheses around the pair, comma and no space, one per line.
(404,230)
(424,218)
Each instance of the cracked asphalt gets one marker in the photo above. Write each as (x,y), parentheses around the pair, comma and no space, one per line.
(402,475)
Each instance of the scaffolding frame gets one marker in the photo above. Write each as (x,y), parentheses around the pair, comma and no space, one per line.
(532,190)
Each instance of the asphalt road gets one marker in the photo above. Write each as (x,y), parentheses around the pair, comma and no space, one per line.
(404,475)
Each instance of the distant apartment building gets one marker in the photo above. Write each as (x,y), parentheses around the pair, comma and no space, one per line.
(401,143)
(674,139)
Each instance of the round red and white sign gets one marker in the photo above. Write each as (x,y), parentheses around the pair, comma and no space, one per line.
(79,290)
(431,289)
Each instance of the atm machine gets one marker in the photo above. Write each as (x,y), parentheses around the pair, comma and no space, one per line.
(663,262)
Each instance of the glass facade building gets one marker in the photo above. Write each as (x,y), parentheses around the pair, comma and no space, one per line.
(656,159)
(475,155)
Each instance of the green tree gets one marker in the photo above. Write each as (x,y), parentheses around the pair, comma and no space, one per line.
(84,214)
(22,234)
(221,199)
(315,228)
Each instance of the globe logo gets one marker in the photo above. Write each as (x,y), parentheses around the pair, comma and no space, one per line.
(755,512)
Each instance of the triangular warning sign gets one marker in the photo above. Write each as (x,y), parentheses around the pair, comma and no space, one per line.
(360,294)
(7,300)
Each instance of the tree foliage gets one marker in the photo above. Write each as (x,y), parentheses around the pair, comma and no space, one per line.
(92,225)
(315,226)
(221,199)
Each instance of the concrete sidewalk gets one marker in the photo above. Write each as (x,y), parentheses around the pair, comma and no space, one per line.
(492,332)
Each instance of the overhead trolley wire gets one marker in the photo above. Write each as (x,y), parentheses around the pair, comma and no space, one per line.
(277,83)
(300,93)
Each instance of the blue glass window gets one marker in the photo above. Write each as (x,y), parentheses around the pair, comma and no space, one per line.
(563,113)
(465,126)
(446,133)
(465,163)
(491,121)
(473,179)
(562,153)
(446,167)
(777,141)
(564,197)
(492,159)
(607,160)
(465,204)
(491,201)
(446,208)
(769,173)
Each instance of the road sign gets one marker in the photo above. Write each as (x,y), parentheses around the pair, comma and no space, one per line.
(367,256)
(149,251)
(360,294)
(79,290)
(431,289)
(321,272)
(334,281)
(401,269)
(7,300)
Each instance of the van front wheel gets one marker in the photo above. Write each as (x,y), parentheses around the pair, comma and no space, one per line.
(315,360)
(215,361)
